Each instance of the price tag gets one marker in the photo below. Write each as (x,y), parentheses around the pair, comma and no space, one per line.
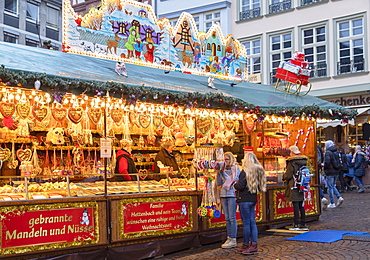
(105,148)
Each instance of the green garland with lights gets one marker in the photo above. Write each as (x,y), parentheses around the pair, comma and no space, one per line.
(132,94)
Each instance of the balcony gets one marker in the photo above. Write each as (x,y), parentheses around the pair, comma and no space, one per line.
(248,14)
(279,7)
(310,2)
(318,70)
(353,66)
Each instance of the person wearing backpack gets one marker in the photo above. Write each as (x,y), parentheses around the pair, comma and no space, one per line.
(124,163)
(359,169)
(332,168)
(292,192)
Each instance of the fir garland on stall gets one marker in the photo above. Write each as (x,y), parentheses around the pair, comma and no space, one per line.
(58,86)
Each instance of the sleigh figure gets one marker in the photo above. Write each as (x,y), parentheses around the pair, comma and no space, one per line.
(292,75)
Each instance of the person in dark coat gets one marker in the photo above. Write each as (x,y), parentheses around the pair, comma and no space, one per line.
(166,156)
(252,179)
(331,169)
(344,168)
(359,169)
(348,177)
(294,163)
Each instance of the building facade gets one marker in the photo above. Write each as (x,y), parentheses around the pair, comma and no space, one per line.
(332,33)
(35,23)
(205,12)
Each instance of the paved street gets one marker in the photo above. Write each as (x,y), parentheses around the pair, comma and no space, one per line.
(353,215)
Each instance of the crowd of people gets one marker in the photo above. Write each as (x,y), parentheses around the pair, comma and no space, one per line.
(238,185)
(335,164)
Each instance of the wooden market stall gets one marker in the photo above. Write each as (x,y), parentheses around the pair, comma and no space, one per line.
(64,116)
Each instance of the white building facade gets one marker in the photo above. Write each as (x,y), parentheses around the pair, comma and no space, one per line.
(205,12)
(31,22)
(332,33)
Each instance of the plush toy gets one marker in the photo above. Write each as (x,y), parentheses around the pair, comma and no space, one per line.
(55,136)
(180,139)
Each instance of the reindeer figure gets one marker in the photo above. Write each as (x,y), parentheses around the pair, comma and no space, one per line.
(113,45)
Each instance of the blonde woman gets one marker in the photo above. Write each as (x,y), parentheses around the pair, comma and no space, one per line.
(252,179)
(225,179)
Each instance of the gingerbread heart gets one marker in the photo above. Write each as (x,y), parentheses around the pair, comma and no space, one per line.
(4,154)
(75,114)
(133,119)
(204,125)
(216,123)
(229,124)
(40,112)
(7,109)
(168,120)
(157,121)
(249,125)
(144,121)
(59,114)
(116,114)
(24,154)
(180,121)
(94,115)
(23,110)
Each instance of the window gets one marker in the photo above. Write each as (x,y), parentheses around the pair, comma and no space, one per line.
(315,47)
(249,9)
(280,50)
(32,11)
(52,17)
(11,6)
(9,37)
(253,50)
(211,18)
(350,46)
(32,43)
(196,20)
(279,5)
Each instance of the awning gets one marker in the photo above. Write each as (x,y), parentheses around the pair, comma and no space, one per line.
(66,65)
(333,123)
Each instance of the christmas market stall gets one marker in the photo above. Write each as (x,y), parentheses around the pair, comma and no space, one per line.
(129,80)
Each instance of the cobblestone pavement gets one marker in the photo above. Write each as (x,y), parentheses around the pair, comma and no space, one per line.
(353,215)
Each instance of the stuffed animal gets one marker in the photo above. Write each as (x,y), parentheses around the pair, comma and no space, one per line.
(55,136)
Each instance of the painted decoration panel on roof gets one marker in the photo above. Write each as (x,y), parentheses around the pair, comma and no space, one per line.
(128,31)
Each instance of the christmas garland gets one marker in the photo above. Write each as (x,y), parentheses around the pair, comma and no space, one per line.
(58,86)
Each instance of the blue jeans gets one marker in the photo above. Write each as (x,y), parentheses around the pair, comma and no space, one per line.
(229,207)
(332,189)
(247,212)
(359,180)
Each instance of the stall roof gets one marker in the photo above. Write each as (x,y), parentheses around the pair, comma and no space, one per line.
(55,63)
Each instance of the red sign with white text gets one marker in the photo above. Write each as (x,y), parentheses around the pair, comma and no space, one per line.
(155,216)
(284,208)
(20,228)
(222,219)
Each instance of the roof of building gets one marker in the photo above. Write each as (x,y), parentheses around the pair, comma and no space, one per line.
(71,66)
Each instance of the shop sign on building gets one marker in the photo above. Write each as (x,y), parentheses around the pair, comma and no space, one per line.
(155,216)
(39,227)
(359,100)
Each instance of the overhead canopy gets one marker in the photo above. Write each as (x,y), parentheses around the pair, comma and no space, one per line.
(65,65)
